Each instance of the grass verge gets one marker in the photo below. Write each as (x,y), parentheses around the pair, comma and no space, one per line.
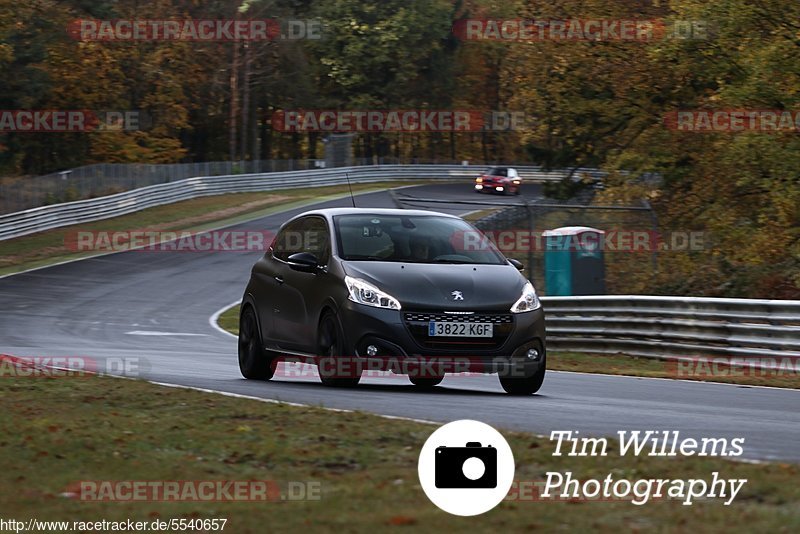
(480,214)
(229,320)
(198,214)
(622,364)
(59,431)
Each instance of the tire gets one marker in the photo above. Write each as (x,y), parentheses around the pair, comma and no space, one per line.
(330,343)
(523,386)
(517,191)
(427,382)
(254,362)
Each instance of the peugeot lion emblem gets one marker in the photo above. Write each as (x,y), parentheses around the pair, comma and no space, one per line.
(457,295)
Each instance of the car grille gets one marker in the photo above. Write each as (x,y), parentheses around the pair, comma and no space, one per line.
(459,317)
(417,324)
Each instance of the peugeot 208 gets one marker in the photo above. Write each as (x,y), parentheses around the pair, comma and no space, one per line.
(395,290)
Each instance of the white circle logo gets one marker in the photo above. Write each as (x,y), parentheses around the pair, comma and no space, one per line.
(466,468)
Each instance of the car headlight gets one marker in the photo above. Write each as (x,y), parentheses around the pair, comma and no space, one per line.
(479,180)
(529,300)
(365,293)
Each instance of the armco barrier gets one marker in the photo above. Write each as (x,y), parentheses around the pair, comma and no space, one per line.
(674,327)
(82,211)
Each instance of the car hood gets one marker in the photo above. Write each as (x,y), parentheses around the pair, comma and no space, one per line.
(425,286)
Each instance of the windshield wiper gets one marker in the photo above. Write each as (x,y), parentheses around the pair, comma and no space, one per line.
(454,262)
(364,258)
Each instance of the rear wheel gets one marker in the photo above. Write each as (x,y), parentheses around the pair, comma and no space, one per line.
(254,362)
(523,385)
(334,369)
(426,382)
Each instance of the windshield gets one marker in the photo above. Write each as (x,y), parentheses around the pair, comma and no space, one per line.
(413,239)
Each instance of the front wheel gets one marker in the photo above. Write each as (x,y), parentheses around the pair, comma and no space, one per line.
(334,369)
(254,362)
(523,385)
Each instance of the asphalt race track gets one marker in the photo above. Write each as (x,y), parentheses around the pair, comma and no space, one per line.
(155,307)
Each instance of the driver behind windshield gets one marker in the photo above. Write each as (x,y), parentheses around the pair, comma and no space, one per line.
(419,248)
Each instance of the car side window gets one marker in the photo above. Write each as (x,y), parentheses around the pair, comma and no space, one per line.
(285,245)
(309,234)
(316,239)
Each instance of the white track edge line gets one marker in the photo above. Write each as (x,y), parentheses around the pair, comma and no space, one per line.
(383,416)
(213,320)
(340,410)
(675,380)
(294,404)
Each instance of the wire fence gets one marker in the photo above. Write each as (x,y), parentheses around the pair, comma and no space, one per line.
(92,181)
(517,227)
(525,227)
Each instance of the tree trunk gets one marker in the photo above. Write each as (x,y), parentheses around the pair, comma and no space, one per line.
(246,100)
(234,109)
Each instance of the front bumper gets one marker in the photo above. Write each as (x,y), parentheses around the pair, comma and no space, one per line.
(401,348)
(493,187)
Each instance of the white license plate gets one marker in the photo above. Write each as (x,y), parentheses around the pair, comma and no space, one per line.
(436,329)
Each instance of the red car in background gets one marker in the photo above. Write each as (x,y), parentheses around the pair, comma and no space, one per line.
(504,180)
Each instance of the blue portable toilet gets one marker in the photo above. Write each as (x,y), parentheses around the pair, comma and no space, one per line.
(574,263)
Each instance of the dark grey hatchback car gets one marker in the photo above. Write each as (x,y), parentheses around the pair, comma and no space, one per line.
(414,292)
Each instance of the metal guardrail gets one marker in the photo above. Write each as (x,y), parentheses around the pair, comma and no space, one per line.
(675,327)
(101,179)
(82,211)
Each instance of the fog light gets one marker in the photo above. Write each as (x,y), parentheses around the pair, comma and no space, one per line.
(500,189)
(372,350)
(478,186)
(532,354)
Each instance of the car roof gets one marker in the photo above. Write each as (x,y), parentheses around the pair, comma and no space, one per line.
(333,212)
(571,230)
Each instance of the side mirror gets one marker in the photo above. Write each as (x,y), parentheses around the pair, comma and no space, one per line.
(305,262)
(516,263)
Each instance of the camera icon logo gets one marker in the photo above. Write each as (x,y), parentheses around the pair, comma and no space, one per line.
(472,466)
(466,468)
